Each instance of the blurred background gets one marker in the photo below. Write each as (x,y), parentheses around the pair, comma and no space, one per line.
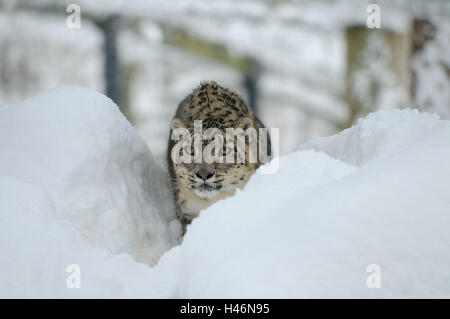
(310,68)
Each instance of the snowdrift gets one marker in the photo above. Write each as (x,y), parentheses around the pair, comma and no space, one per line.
(69,158)
(78,186)
(376,194)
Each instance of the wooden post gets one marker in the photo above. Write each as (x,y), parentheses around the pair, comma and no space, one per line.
(430,69)
(377,62)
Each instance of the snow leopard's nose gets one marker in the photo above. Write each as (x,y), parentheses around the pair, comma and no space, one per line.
(204,174)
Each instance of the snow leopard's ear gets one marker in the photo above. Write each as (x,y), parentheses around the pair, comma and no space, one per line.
(177,123)
(244,122)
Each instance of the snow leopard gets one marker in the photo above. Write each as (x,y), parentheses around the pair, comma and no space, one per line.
(196,186)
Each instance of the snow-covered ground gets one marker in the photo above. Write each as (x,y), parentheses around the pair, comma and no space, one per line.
(79,186)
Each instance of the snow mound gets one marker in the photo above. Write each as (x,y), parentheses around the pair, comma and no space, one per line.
(38,249)
(78,186)
(379,134)
(76,147)
(320,226)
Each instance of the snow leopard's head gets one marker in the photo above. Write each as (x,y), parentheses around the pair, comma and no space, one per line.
(218,109)
(206,177)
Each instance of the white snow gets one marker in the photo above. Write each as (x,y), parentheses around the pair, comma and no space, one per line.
(379,196)
(78,186)
(78,149)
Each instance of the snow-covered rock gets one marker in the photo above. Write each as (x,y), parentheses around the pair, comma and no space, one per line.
(78,186)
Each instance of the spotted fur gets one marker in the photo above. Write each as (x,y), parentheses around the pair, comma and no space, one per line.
(217,108)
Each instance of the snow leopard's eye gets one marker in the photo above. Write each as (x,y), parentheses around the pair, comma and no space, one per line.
(227,150)
(187,150)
